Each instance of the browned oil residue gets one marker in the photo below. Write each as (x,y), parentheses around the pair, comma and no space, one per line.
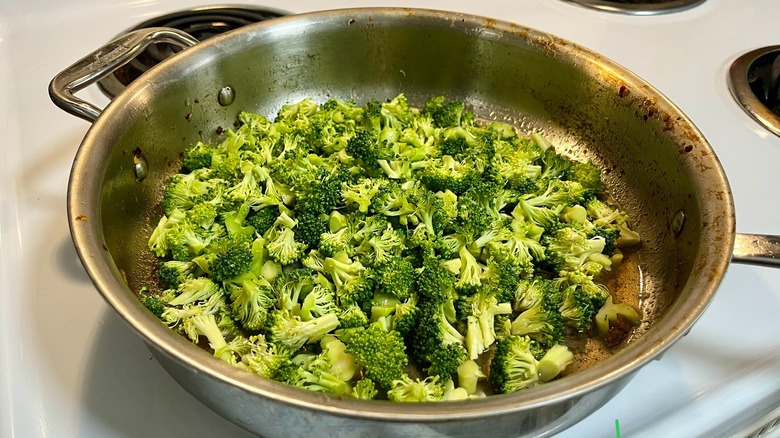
(81,218)
(624,285)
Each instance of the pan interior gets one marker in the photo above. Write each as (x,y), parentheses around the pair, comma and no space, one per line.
(655,164)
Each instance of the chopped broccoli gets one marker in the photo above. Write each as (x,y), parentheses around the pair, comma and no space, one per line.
(554,361)
(407,390)
(382,251)
(382,354)
(513,366)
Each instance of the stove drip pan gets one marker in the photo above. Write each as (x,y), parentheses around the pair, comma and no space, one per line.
(754,81)
(202,23)
(638,7)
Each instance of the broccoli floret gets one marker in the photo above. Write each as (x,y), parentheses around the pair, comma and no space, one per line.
(183,192)
(332,243)
(282,246)
(252,302)
(263,219)
(576,308)
(395,276)
(364,389)
(585,173)
(310,227)
(195,289)
(396,113)
(319,301)
(198,156)
(434,282)
(448,174)
(407,390)
(434,331)
(513,366)
(328,372)
(365,147)
(151,301)
(353,281)
(429,208)
(481,332)
(382,354)
(352,316)
(569,248)
(542,322)
(405,317)
(444,114)
(553,165)
(292,331)
(597,293)
(270,360)
(230,261)
(291,285)
(445,361)
(172,272)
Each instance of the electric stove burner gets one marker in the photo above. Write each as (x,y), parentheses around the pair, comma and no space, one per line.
(202,23)
(754,81)
(638,7)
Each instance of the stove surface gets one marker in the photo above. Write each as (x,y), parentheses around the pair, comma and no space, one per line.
(70,367)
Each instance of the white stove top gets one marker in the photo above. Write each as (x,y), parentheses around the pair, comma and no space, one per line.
(69,367)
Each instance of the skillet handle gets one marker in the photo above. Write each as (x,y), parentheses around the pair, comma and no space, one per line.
(757,249)
(103,62)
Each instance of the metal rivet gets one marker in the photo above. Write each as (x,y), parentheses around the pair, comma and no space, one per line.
(226,96)
(678,222)
(140,165)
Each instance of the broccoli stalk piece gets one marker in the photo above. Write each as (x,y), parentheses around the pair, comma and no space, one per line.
(554,361)
(469,375)
(407,390)
(609,314)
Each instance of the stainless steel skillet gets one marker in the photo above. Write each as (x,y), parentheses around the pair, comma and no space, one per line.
(657,164)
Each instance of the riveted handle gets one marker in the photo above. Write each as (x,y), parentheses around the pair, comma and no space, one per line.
(103,62)
(756,249)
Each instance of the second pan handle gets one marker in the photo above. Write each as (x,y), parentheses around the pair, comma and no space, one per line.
(103,62)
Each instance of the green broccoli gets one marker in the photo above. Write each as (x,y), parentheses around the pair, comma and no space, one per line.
(407,390)
(513,366)
(381,251)
(382,354)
